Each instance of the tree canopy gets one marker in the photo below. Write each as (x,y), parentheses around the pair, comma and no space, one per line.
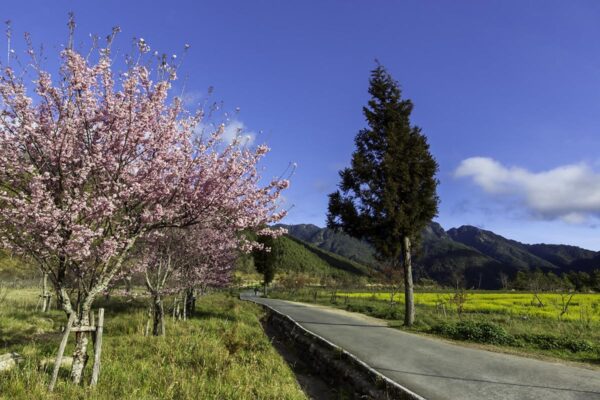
(388,194)
(390,189)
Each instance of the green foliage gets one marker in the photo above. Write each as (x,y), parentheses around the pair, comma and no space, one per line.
(389,192)
(481,332)
(377,312)
(552,342)
(266,260)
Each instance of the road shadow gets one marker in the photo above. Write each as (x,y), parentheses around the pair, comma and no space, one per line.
(529,386)
(340,324)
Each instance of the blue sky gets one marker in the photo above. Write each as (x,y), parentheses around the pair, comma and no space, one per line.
(508,92)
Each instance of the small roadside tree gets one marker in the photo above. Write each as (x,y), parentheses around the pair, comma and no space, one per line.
(177,261)
(388,195)
(393,279)
(266,258)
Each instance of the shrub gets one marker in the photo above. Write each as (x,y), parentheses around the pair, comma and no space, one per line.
(550,342)
(481,332)
(360,308)
(445,329)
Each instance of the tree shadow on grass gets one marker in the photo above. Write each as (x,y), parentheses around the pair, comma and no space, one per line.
(121,305)
(208,314)
(49,340)
(594,361)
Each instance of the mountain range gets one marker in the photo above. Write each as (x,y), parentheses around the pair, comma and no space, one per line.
(473,255)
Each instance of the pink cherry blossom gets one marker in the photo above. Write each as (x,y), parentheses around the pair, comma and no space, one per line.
(91,160)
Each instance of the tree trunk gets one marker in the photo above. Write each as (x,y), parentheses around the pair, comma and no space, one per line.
(45,294)
(158,316)
(80,356)
(409,302)
(265,290)
(128,285)
(190,302)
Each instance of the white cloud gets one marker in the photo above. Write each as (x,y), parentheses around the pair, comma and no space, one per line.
(191,99)
(233,129)
(236,129)
(570,192)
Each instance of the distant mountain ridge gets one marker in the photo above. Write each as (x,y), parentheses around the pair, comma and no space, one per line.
(476,255)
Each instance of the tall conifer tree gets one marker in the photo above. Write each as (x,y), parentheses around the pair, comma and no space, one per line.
(388,195)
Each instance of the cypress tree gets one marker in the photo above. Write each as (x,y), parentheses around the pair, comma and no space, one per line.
(266,260)
(388,194)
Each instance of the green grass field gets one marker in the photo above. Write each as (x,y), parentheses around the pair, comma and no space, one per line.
(221,353)
(505,321)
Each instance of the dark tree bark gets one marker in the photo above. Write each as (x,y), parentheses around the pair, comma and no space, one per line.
(190,302)
(158,315)
(409,302)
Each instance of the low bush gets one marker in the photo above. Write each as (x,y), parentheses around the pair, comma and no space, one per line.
(551,342)
(485,332)
(481,332)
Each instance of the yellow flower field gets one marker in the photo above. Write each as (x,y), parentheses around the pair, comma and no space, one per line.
(582,305)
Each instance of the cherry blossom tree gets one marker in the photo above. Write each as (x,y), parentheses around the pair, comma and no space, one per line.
(180,260)
(91,160)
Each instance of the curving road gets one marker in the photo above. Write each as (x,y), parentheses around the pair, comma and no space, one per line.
(438,370)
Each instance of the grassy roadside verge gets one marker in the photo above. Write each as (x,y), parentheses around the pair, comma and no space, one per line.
(568,340)
(221,353)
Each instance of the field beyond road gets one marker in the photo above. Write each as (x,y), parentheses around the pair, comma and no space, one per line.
(522,305)
(551,325)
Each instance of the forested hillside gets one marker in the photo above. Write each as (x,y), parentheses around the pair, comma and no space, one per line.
(467,255)
(297,256)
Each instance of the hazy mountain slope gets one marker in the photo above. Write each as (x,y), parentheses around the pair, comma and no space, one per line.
(586,264)
(476,255)
(440,258)
(505,251)
(561,255)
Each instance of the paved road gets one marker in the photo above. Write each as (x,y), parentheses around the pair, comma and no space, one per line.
(438,370)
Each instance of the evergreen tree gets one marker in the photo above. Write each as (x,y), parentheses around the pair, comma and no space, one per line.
(388,195)
(266,260)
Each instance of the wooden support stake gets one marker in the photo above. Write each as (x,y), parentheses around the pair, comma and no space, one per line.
(83,329)
(92,319)
(93,324)
(98,347)
(61,351)
(46,306)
